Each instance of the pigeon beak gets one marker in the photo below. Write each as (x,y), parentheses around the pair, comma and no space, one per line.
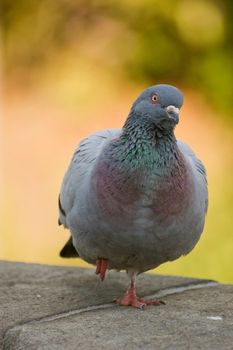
(173,113)
(172,109)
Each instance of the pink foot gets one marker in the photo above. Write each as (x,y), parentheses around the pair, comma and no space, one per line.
(132,300)
(129,298)
(101,267)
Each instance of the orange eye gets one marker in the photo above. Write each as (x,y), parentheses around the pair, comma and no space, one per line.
(154,98)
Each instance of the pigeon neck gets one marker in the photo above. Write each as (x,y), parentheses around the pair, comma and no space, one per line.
(140,129)
(139,134)
(142,146)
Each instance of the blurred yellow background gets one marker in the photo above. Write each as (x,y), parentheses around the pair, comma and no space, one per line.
(72,67)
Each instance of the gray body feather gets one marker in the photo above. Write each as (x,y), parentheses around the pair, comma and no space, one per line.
(136,239)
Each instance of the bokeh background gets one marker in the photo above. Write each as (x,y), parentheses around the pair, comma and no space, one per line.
(70,67)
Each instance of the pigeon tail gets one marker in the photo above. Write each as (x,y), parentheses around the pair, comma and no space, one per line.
(69,251)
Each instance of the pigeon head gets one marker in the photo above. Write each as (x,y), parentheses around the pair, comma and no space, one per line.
(159,105)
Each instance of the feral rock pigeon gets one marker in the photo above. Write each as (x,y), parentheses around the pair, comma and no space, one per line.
(136,197)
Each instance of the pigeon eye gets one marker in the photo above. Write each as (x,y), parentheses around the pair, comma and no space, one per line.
(154,98)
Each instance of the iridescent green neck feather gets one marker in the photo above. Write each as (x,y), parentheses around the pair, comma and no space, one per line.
(143,145)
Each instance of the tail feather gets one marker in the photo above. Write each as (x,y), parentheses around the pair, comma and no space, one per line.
(69,251)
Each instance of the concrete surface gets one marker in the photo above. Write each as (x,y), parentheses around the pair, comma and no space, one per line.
(54,308)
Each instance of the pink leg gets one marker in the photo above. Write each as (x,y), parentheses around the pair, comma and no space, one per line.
(98,266)
(130,298)
(101,267)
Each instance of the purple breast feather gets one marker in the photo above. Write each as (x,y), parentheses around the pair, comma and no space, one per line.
(173,193)
(115,192)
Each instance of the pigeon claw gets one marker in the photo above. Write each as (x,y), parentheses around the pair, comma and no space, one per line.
(101,267)
(134,301)
(128,300)
(131,299)
(153,302)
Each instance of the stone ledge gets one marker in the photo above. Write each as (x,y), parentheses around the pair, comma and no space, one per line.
(50,307)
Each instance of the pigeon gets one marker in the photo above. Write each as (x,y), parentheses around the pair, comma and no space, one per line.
(136,197)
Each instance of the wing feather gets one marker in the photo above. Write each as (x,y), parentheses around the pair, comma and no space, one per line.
(81,165)
(198,169)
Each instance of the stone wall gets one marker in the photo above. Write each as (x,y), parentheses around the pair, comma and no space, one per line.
(49,307)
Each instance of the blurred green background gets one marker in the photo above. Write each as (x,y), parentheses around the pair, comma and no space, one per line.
(70,67)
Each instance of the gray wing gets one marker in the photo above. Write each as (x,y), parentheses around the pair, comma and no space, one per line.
(198,169)
(80,167)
